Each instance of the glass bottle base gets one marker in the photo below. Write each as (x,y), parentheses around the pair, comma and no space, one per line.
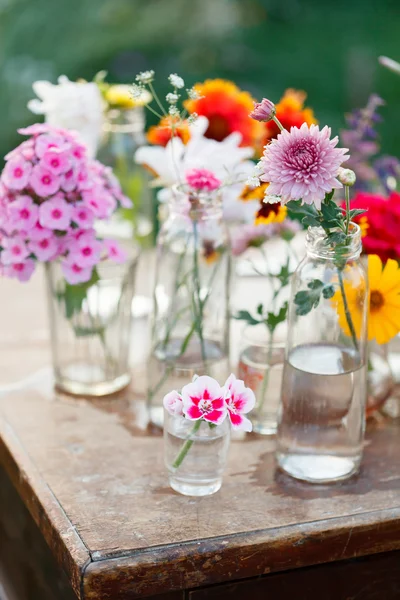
(94,389)
(194,488)
(318,468)
(266,427)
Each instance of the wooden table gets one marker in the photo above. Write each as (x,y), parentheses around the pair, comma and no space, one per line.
(86,511)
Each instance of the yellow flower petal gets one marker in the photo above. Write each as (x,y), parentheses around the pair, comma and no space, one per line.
(390,278)
(374,271)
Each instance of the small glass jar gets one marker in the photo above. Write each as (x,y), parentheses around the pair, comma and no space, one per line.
(124,133)
(190,331)
(195,454)
(321,418)
(260,367)
(90,327)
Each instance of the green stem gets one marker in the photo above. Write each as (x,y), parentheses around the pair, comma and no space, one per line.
(277,121)
(347,199)
(347,311)
(197,300)
(266,377)
(186,446)
(156,98)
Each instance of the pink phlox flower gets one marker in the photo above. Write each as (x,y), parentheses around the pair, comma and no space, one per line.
(303,164)
(82,216)
(239,401)
(55,214)
(56,161)
(14,250)
(202,180)
(44,249)
(74,273)
(69,180)
(173,403)
(22,270)
(51,140)
(16,173)
(35,129)
(43,182)
(38,233)
(204,399)
(85,251)
(23,213)
(115,252)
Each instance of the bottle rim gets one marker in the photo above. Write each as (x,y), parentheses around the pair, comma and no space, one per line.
(319,245)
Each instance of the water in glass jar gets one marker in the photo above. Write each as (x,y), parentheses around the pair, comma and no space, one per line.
(322,413)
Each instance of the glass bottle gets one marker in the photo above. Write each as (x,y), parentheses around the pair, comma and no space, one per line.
(260,367)
(90,328)
(379,377)
(195,454)
(321,418)
(123,134)
(190,329)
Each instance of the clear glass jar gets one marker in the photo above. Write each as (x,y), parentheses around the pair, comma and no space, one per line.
(195,454)
(321,418)
(260,367)
(90,327)
(123,134)
(190,330)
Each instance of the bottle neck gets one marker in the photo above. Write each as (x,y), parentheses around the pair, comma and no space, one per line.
(130,120)
(321,246)
(196,205)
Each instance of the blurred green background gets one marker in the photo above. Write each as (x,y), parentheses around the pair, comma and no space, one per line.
(329,48)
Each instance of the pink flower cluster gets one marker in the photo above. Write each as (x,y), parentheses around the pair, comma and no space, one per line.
(202,180)
(51,193)
(205,399)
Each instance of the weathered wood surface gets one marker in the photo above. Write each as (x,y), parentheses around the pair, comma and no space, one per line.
(92,476)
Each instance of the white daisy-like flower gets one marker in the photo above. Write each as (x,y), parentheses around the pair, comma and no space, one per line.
(176,81)
(145,77)
(172,98)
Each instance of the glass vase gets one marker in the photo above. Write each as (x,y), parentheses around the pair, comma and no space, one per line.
(260,367)
(90,326)
(321,418)
(195,454)
(190,330)
(123,134)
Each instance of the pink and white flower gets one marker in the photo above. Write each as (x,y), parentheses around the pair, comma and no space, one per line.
(22,271)
(239,401)
(23,213)
(56,161)
(55,214)
(204,399)
(173,403)
(263,111)
(68,181)
(202,180)
(86,250)
(48,142)
(44,183)
(44,249)
(302,164)
(16,173)
(115,252)
(74,273)
(14,250)
(38,233)
(82,216)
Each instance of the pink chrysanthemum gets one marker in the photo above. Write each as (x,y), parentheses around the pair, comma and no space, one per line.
(303,164)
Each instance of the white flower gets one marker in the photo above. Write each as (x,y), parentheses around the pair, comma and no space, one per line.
(172,98)
(253,181)
(137,91)
(226,160)
(173,111)
(176,81)
(192,118)
(145,77)
(70,105)
(270,199)
(194,94)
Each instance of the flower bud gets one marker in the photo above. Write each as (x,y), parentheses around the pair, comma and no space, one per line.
(346,176)
(263,111)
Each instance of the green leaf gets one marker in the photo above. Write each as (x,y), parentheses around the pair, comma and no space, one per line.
(311,221)
(329,196)
(356,212)
(284,274)
(337,237)
(315,284)
(74,295)
(260,309)
(306,300)
(328,292)
(272,320)
(244,315)
(331,212)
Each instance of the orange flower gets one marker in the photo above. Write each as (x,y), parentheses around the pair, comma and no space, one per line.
(250,193)
(161,134)
(291,113)
(227,109)
(270,213)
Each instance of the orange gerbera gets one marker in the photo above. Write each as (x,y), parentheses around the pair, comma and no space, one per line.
(291,113)
(161,134)
(227,109)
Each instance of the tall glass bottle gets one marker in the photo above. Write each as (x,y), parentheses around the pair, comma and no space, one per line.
(322,412)
(190,333)
(123,135)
